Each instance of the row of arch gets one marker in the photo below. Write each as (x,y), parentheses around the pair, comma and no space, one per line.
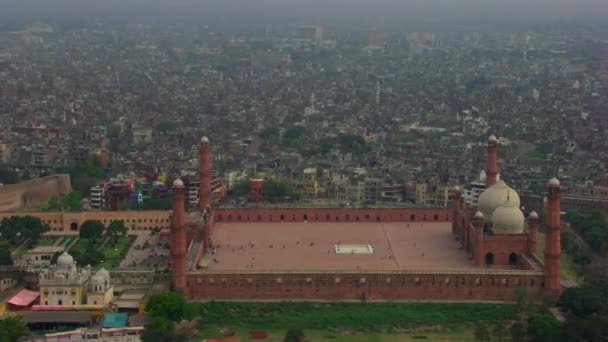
(513,259)
(362,281)
(327,217)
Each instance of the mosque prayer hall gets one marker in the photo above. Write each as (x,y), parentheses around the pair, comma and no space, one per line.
(460,253)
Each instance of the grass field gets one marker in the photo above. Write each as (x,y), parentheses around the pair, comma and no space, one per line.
(457,335)
(82,245)
(46,242)
(353,321)
(113,254)
(567,265)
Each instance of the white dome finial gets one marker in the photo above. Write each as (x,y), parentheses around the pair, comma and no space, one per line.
(456,188)
(204,140)
(554,182)
(479,215)
(533,214)
(178,182)
(492,138)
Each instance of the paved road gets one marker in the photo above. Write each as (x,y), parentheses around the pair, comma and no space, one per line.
(135,255)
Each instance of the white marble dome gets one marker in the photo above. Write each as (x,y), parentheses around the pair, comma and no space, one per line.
(104,273)
(97,279)
(508,218)
(65,260)
(495,196)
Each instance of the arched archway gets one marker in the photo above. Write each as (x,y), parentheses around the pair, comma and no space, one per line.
(305,218)
(436,217)
(489,259)
(412,217)
(74,226)
(513,259)
(282,217)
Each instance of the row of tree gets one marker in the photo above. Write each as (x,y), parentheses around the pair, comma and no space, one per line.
(273,190)
(16,228)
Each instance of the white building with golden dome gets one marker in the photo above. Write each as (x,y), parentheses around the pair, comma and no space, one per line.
(66,284)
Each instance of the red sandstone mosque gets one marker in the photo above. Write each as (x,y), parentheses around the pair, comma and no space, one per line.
(462,253)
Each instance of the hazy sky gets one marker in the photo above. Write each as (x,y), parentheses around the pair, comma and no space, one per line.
(422,10)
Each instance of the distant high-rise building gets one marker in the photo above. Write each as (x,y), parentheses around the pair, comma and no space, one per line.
(270,59)
(309,32)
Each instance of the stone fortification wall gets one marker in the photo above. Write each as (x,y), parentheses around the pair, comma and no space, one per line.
(332,215)
(35,192)
(493,285)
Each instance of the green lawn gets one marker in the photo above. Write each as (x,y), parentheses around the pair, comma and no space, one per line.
(567,265)
(113,254)
(351,336)
(82,245)
(353,321)
(46,242)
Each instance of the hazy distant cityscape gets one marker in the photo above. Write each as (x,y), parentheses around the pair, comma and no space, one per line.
(393,152)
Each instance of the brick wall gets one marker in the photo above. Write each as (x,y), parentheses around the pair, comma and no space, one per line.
(70,222)
(332,215)
(405,285)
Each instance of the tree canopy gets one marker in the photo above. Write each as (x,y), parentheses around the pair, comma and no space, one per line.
(544,328)
(294,335)
(5,256)
(28,227)
(69,202)
(593,228)
(12,329)
(170,306)
(91,229)
(116,228)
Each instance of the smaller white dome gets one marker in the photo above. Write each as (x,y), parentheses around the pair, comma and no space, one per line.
(554,182)
(97,279)
(508,219)
(104,273)
(178,182)
(456,188)
(492,138)
(65,260)
(205,140)
(479,214)
(533,214)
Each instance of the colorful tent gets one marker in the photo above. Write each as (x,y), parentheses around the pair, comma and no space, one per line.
(24,298)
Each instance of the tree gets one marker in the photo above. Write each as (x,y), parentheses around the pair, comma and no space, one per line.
(294,335)
(240,189)
(169,305)
(92,257)
(12,329)
(91,229)
(159,330)
(116,228)
(28,227)
(5,257)
(71,201)
(94,168)
(520,297)
(481,332)
(582,301)
(500,332)
(544,328)
(518,331)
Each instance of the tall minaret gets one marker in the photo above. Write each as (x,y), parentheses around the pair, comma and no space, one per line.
(553,247)
(377,94)
(205,176)
(533,220)
(491,168)
(178,240)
